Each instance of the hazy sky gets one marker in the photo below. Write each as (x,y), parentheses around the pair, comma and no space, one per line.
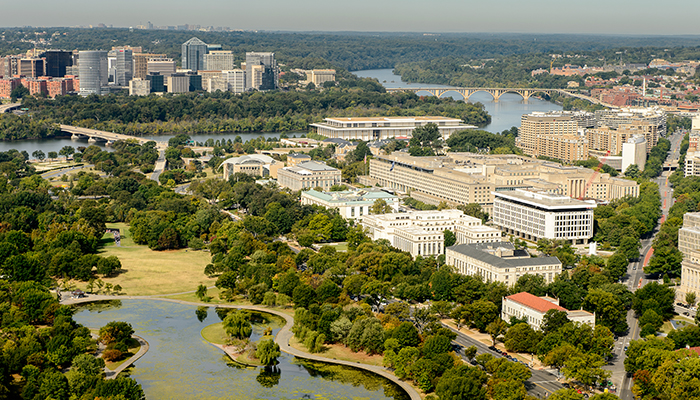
(536,16)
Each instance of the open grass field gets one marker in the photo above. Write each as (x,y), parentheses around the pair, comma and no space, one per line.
(340,352)
(215,333)
(147,272)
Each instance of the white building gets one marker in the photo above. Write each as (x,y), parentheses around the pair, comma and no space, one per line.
(634,151)
(526,305)
(377,128)
(534,215)
(689,245)
(422,232)
(218,60)
(309,175)
(500,262)
(252,164)
(139,87)
(351,204)
(235,79)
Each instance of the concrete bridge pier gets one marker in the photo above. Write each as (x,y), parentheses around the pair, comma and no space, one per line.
(77,136)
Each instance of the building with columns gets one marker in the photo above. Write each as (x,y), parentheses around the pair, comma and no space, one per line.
(533,308)
(689,246)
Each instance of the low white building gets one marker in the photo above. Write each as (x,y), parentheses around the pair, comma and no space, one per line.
(533,308)
(252,164)
(351,204)
(534,215)
(422,232)
(500,262)
(309,175)
(378,128)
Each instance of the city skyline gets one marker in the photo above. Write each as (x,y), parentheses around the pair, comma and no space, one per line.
(507,16)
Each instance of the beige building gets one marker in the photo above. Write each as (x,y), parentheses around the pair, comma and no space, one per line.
(163,66)
(634,151)
(421,233)
(689,245)
(535,215)
(308,175)
(141,63)
(139,87)
(219,60)
(500,262)
(463,178)
(235,79)
(539,132)
(533,308)
(319,76)
(178,83)
(253,164)
(294,159)
(378,128)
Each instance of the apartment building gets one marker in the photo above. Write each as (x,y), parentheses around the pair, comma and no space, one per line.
(538,131)
(422,232)
(378,128)
(689,246)
(308,175)
(500,262)
(535,215)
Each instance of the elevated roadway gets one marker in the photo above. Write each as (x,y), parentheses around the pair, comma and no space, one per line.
(9,107)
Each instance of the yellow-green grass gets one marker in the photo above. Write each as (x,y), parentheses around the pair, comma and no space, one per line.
(134,347)
(149,272)
(215,333)
(340,352)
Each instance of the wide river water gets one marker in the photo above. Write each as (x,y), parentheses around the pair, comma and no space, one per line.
(180,364)
(505,113)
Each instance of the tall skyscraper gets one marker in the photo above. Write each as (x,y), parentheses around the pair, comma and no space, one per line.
(193,52)
(57,61)
(264,78)
(93,72)
(125,67)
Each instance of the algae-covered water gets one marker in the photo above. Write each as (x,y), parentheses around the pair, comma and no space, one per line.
(180,364)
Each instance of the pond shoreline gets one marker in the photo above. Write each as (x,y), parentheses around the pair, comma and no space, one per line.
(282,338)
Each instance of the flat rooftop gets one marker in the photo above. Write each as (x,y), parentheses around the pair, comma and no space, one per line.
(544,200)
(393,119)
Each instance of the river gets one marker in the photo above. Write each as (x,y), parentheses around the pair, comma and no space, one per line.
(180,364)
(505,113)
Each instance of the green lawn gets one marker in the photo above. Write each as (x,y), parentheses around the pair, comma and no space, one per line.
(149,272)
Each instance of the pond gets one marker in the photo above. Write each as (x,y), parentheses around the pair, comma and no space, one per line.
(180,364)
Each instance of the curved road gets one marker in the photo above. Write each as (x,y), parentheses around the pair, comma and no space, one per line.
(282,339)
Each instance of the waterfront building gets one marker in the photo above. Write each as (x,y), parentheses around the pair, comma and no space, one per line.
(378,128)
(689,246)
(535,215)
(423,232)
(251,164)
(525,305)
(193,52)
(351,204)
(93,72)
(219,60)
(309,175)
(500,262)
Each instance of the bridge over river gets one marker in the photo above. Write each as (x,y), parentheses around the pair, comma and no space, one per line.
(526,93)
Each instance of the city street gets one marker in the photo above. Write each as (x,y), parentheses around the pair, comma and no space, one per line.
(635,279)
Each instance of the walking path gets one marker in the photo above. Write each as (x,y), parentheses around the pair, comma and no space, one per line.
(282,339)
(142,350)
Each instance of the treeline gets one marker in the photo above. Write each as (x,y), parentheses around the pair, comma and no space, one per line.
(355,50)
(472,140)
(249,112)
(41,341)
(13,127)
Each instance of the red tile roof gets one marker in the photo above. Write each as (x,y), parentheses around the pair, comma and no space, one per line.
(534,302)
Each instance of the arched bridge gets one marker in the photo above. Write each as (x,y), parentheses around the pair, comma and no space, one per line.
(526,93)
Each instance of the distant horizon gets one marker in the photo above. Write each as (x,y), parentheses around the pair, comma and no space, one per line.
(644,18)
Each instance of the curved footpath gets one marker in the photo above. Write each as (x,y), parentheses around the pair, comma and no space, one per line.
(142,350)
(282,339)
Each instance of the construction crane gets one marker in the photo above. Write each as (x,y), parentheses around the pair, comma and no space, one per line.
(597,171)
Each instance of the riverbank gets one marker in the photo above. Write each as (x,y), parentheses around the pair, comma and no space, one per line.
(283,338)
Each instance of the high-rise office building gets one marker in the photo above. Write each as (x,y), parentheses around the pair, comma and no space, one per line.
(124,67)
(32,67)
(264,78)
(141,63)
(93,72)
(157,82)
(57,61)
(193,52)
(235,79)
(164,66)
(218,60)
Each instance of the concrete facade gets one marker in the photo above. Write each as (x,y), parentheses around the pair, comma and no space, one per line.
(351,204)
(689,246)
(253,164)
(533,308)
(309,175)
(378,128)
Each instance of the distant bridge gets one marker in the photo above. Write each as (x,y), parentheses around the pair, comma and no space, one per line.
(93,136)
(496,93)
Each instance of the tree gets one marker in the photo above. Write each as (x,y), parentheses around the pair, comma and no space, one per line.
(609,310)
(629,246)
(53,155)
(380,206)
(462,382)
(450,238)
(553,320)
(67,151)
(237,324)
(566,394)
(522,338)
(586,368)
(267,352)
(115,332)
(495,329)
(690,298)
(19,92)
(39,155)
(632,171)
